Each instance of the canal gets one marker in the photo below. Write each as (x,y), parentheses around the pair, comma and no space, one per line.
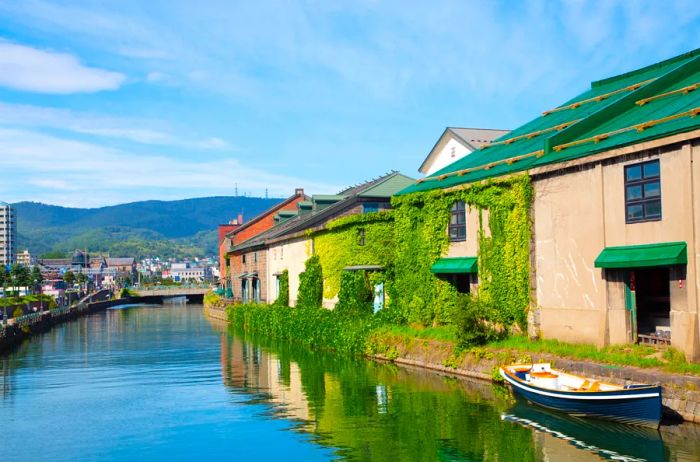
(165,383)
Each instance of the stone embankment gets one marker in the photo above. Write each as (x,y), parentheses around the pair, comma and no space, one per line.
(681,393)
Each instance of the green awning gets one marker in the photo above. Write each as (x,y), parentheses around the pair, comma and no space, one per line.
(642,256)
(455,265)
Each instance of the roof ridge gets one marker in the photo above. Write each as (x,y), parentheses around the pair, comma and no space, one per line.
(666,62)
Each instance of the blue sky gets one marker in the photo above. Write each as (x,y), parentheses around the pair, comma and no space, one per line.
(110,102)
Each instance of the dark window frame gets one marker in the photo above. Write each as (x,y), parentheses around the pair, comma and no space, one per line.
(642,201)
(457,231)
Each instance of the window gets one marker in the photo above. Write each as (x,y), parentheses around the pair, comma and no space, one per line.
(368,207)
(243,258)
(255,257)
(458,222)
(360,236)
(642,192)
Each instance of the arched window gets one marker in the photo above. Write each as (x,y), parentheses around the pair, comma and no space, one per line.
(458,222)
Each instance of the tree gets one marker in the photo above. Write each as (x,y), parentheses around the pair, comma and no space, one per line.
(37,278)
(20,276)
(69,278)
(81,278)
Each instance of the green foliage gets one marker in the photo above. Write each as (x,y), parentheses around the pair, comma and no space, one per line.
(54,254)
(17,312)
(126,293)
(283,297)
(309,326)
(311,284)
(340,245)
(356,295)
(473,322)
(421,221)
(20,276)
(37,278)
(212,299)
(69,277)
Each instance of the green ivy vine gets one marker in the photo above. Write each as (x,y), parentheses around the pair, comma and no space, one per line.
(283,297)
(420,224)
(365,239)
(311,284)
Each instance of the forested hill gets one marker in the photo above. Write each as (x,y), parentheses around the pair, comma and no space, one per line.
(163,228)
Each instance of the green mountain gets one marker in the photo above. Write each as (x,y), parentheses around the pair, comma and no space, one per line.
(183,228)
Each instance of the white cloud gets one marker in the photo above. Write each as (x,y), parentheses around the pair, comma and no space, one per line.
(136,130)
(30,69)
(84,174)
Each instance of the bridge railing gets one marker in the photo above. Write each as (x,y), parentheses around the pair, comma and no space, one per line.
(174,287)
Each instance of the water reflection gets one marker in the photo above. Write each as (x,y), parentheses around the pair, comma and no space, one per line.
(382,412)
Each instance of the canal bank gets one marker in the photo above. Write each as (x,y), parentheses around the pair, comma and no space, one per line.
(14,334)
(681,393)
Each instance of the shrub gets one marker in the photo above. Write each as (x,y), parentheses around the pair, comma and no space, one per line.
(309,326)
(17,312)
(473,322)
(283,297)
(126,293)
(311,284)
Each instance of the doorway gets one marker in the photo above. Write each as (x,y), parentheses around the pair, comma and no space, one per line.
(650,305)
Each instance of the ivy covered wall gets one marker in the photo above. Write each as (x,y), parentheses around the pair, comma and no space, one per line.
(366,239)
(420,227)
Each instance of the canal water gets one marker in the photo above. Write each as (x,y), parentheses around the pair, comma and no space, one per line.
(165,383)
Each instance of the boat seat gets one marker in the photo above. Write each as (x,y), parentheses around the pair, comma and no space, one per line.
(587,385)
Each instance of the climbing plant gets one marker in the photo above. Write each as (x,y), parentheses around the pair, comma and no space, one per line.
(356,294)
(283,297)
(421,221)
(365,239)
(311,284)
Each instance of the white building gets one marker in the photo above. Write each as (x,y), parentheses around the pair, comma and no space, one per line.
(24,258)
(455,143)
(8,233)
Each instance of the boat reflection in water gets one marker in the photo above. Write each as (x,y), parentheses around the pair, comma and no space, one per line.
(564,437)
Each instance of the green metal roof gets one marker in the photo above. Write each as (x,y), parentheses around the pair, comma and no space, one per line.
(327,197)
(388,187)
(455,265)
(287,213)
(305,204)
(642,256)
(645,104)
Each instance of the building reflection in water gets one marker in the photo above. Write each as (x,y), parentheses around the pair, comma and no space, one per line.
(252,369)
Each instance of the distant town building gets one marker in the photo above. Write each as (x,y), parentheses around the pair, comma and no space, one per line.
(8,234)
(25,258)
(181,272)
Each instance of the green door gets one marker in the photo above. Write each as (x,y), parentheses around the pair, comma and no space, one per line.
(631,305)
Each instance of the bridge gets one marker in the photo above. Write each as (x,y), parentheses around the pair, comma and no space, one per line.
(171,291)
